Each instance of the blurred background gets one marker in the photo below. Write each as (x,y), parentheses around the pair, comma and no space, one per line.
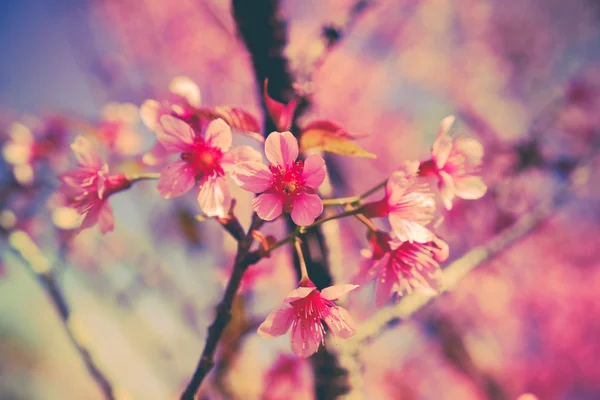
(129,310)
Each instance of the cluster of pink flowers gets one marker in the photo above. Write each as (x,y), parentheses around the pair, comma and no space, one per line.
(195,147)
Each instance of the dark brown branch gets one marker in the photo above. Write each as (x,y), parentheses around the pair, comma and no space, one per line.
(243,260)
(263,30)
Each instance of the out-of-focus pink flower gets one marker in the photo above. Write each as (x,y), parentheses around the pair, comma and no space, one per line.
(184,98)
(202,159)
(286,185)
(288,379)
(456,164)
(401,267)
(117,128)
(88,187)
(306,310)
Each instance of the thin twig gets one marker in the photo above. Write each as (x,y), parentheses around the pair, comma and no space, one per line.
(39,267)
(390,316)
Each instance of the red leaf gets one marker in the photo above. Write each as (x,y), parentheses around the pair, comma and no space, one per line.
(281,114)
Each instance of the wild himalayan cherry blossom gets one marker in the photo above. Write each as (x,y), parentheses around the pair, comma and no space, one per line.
(306,310)
(288,379)
(203,160)
(184,98)
(409,205)
(400,267)
(456,163)
(118,128)
(286,185)
(88,187)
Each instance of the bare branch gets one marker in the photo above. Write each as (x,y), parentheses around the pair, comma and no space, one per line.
(243,260)
(39,267)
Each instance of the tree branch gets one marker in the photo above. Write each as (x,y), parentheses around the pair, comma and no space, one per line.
(391,316)
(244,258)
(38,266)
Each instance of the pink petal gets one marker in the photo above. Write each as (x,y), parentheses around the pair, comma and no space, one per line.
(268,206)
(277,323)
(91,217)
(395,187)
(218,134)
(306,208)
(281,148)
(314,171)
(281,114)
(305,344)
(106,221)
(214,198)
(409,231)
(442,146)
(157,155)
(86,153)
(337,291)
(470,188)
(341,323)
(470,148)
(175,135)
(187,89)
(298,293)
(384,288)
(254,177)
(447,190)
(239,155)
(379,266)
(176,179)
(149,113)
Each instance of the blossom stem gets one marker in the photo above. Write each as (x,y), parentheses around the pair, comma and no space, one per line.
(340,201)
(369,192)
(143,176)
(303,270)
(366,222)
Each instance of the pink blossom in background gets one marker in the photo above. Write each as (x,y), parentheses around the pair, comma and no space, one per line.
(401,267)
(286,185)
(288,379)
(118,128)
(184,97)
(87,187)
(203,160)
(456,164)
(306,310)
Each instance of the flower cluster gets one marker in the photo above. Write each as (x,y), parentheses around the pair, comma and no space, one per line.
(194,149)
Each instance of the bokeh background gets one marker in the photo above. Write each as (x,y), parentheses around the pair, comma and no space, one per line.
(523,77)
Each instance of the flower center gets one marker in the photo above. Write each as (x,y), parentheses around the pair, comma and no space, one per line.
(287,182)
(309,314)
(205,159)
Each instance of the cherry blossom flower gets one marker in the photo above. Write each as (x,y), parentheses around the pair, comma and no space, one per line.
(184,98)
(401,267)
(203,160)
(286,185)
(306,310)
(456,163)
(88,187)
(288,379)
(118,130)
(409,205)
